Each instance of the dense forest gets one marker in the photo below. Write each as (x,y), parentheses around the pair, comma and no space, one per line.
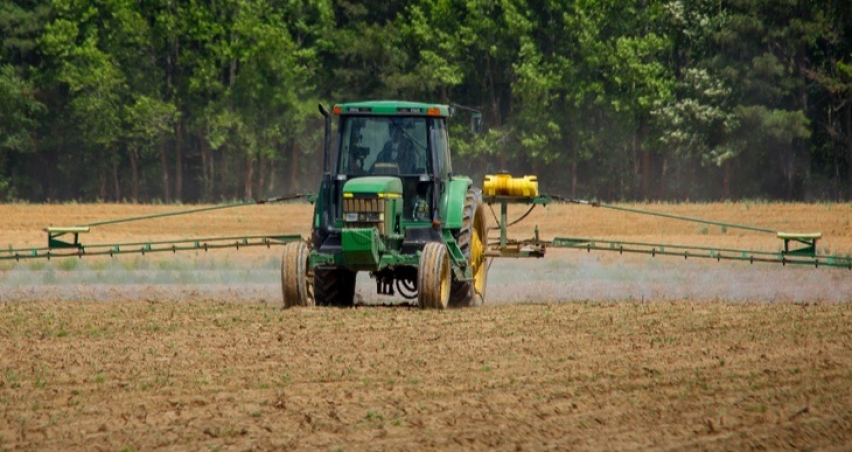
(205,100)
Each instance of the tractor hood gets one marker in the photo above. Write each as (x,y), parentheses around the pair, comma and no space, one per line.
(373,185)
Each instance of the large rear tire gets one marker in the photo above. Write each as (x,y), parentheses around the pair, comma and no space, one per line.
(472,240)
(433,277)
(334,287)
(295,278)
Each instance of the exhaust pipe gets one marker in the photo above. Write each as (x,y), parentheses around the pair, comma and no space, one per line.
(326,147)
(327,182)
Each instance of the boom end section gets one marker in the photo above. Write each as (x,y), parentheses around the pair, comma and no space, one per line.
(808,240)
(54,232)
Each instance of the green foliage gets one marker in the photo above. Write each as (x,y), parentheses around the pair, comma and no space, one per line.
(149,120)
(18,111)
(700,121)
(658,99)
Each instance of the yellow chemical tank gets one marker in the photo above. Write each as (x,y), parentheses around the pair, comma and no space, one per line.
(504,184)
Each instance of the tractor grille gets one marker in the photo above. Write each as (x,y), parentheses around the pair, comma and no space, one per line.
(369,212)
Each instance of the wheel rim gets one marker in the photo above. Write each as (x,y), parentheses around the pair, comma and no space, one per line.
(477,255)
(296,276)
(434,277)
(445,283)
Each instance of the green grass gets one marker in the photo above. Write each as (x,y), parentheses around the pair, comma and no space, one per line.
(374,416)
(37,265)
(68,264)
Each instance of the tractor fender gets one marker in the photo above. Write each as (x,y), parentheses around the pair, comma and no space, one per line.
(452,205)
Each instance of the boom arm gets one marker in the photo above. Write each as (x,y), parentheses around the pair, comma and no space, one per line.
(535,247)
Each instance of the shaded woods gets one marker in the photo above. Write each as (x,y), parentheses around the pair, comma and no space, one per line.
(169,100)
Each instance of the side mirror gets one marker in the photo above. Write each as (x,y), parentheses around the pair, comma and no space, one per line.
(476,123)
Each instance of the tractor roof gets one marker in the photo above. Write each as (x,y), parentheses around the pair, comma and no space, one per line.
(392,107)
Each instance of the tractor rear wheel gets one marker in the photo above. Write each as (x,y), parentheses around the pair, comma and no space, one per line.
(334,286)
(295,280)
(472,239)
(433,277)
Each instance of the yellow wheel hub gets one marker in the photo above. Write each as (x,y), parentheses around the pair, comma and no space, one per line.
(446,280)
(477,257)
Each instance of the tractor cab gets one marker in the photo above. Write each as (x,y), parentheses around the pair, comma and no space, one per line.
(386,139)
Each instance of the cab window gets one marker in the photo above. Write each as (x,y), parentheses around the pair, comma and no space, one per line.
(384,146)
(441,144)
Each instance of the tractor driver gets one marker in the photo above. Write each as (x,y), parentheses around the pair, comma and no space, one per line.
(398,149)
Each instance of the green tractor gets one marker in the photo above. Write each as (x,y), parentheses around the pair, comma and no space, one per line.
(389,204)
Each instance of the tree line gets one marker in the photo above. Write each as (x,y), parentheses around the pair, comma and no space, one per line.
(204,100)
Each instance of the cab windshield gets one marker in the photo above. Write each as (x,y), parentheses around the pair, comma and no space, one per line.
(384,146)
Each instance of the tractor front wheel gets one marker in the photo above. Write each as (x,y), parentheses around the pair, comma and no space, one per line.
(295,280)
(433,277)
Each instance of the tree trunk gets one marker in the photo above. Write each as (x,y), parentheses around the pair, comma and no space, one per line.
(836,154)
(832,127)
(171,61)
(249,175)
(213,171)
(574,179)
(178,162)
(636,166)
(790,171)
(102,194)
(164,166)
(849,149)
(294,166)
(223,187)
(836,173)
(646,173)
(116,185)
(270,186)
(663,173)
(205,182)
(803,148)
(102,178)
(3,194)
(134,174)
(209,169)
(261,177)
(726,180)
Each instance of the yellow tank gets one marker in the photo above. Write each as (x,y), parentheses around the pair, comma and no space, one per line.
(504,184)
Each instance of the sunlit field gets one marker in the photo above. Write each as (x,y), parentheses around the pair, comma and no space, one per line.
(576,351)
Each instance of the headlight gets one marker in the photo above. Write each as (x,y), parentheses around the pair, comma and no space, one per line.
(350,217)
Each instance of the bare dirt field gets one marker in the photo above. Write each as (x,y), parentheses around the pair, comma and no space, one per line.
(576,351)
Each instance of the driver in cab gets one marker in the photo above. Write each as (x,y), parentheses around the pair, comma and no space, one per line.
(397,153)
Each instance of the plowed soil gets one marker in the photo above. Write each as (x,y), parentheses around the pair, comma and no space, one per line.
(574,352)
